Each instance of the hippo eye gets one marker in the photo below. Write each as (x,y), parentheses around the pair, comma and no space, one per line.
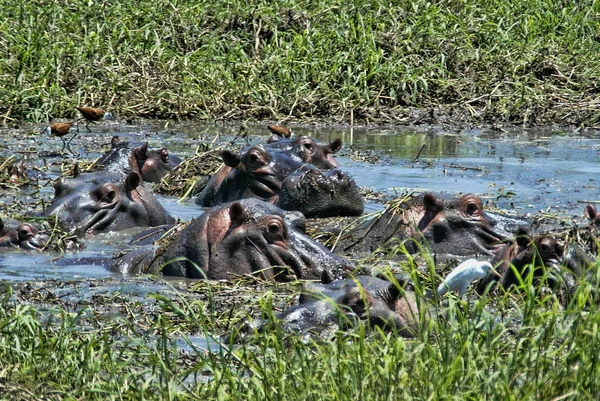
(472,208)
(109,197)
(108,194)
(274,228)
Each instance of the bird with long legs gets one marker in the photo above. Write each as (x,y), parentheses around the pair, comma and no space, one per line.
(61,130)
(91,114)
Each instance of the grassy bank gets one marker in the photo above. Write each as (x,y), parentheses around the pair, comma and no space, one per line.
(484,62)
(512,347)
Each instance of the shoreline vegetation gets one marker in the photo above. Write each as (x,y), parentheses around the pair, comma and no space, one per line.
(369,62)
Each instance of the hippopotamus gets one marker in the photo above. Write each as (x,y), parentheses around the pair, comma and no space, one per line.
(123,157)
(249,236)
(542,253)
(458,227)
(278,178)
(363,298)
(306,149)
(20,235)
(542,256)
(98,202)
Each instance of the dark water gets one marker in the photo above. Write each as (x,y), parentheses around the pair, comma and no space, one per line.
(524,170)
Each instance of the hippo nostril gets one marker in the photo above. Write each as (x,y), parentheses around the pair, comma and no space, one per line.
(164,154)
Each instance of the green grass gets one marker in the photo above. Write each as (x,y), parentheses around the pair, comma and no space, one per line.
(489,61)
(513,346)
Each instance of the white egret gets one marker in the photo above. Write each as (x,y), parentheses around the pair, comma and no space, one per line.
(464,274)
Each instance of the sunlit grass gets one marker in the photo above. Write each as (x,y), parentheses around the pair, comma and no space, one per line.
(525,62)
(515,345)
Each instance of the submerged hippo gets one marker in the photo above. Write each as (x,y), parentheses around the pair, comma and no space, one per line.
(539,255)
(308,150)
(244,237)
(92,203)
(20,235)
(278,178)
(123,157)
(543,257)
(363,298)
(459,227)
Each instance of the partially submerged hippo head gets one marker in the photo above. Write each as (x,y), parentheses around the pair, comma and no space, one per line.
(124,157)
(92,203)
(21,235)
(244,237)
(363,298)
(541,256)
(460,227)
(465,228)
(308,150)
(277,178)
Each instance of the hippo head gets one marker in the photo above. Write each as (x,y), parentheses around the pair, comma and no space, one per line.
(249,236)
(153,165)
(320,156)
(363,298)
(542,254)
(98,202)
(278,178)
(21,235)
(457,227)
(308,150)
(464,228)
(321,194)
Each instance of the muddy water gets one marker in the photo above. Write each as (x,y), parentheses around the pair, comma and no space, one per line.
(524,170)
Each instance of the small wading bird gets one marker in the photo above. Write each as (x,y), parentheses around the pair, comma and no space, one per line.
(92,115)
(280,130)
(464,274)
(61,130)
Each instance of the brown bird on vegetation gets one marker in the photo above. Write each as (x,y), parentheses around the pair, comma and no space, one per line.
(61,130)
(280,130)
(92,115)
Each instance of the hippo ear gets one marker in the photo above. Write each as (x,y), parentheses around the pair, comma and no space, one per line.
(76,170)
(590,212)
(237,213)
(132,181)
(432,204)
(142,151)
(523,238)
(333,146)
(230,158)
(114,141)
